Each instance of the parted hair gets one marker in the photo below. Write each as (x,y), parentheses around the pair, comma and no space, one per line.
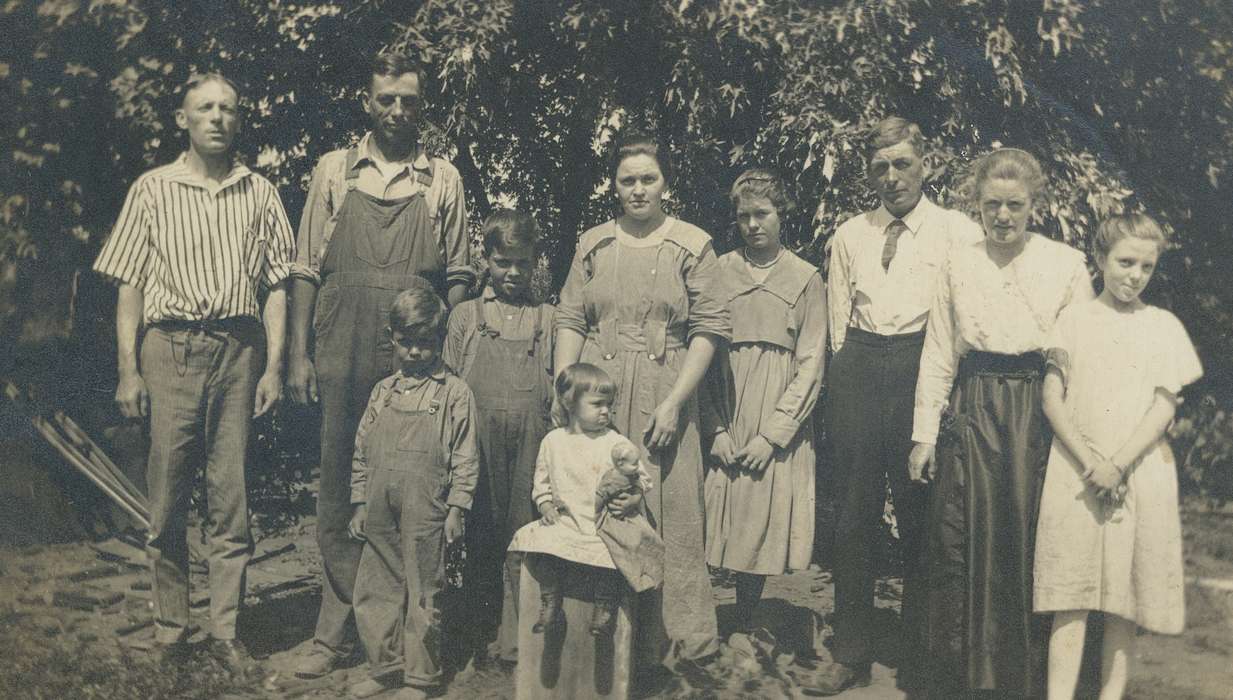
(1119,226)
(506,228)
(198,80)
(574,381)
(639,143)
(391,64)
(893,130)
(763,182)
(1008,164)
(419,312)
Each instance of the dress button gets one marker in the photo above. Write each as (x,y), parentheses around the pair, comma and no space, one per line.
(651,356)
(607,356)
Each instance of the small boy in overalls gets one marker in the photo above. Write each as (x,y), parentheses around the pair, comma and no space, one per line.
(412,478)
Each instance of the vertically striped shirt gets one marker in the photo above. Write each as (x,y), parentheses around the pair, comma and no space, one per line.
(199,250)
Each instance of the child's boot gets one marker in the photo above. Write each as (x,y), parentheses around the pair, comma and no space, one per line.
(550,598)
(604,610)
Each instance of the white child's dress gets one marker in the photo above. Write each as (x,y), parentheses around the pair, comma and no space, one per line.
(1126,561)
(568,469)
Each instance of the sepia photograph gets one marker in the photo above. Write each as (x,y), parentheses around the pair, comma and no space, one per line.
(616,349)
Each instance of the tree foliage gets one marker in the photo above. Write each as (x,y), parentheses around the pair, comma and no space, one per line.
(1128,104)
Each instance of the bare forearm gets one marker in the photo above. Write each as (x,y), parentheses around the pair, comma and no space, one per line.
(1149,431)
(1063,428)
(568,349)
(697,359)
(303,300)
(128,320)
(274,317)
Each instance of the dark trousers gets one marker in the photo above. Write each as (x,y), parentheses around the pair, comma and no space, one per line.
(872,389)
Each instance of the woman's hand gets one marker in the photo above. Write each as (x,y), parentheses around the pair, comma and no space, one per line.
(660,431)
(455,524)
(548,513)
(358,518)
(922,463)
(1105,477)
(722,449)
(624,503)
(756,455)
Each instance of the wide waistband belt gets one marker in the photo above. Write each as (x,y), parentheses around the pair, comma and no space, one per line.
(652,337)
(234,324)
(980,362)
(864,337)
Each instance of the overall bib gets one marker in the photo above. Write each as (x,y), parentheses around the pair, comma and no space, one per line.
(402,570)
(513,395)
(379,248)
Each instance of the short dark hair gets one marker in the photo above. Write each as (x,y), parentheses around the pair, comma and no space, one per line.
(505,228)
(638,143)
(391,64)
(419,312)
(199,80)
(576,380)
(893,130)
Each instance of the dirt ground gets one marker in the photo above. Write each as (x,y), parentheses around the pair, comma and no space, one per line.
(52,650)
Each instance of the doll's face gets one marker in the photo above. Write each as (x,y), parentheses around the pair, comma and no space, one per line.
(625,458)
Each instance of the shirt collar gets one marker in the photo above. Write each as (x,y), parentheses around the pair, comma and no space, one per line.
(183,175)
(913,220)
(419,162)
(437,375)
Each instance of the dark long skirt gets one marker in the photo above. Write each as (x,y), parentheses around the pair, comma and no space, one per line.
(981,526)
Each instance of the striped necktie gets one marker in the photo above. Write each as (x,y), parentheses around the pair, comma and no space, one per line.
(893,230)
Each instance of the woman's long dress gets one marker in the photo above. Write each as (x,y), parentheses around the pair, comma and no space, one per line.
(1125,561)
(989,326)
(767,384)
(638,303)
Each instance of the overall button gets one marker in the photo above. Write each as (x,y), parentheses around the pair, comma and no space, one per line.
(650,356)
(608,356)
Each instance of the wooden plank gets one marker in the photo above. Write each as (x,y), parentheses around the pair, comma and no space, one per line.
(569,663)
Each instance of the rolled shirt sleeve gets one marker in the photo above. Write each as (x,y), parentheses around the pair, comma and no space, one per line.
(801,394)
(708,309)
(315,220)
(125,255)
(571,311)
(456,243)
(463,452)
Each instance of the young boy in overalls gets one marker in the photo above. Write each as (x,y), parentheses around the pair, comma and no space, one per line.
(412,478)
(500,344)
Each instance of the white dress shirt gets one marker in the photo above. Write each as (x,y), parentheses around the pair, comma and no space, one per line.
(864,295)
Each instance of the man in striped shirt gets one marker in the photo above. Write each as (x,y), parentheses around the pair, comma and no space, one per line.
(195,241)
(382,216)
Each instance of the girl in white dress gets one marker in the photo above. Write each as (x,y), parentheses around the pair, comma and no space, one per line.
(572,461)
(1109,534)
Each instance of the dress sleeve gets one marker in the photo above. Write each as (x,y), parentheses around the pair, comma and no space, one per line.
(571,309)
(312,235)
(1177,363)
(797,403)
(939,361)
(1060,345)
(708,310)
(1080,287)
(126,253)
(541,483)
(359,461)
(463,451)
(839,290)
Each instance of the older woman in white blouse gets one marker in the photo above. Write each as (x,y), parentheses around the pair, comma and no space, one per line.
(996,302)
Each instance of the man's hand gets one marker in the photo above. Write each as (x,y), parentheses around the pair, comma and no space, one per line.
(624,503)
(302,380)
(548,513)
(922,463)
(269,391)
(131,395)
(455,525)
(756,455)
(722,449)
(358,519)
